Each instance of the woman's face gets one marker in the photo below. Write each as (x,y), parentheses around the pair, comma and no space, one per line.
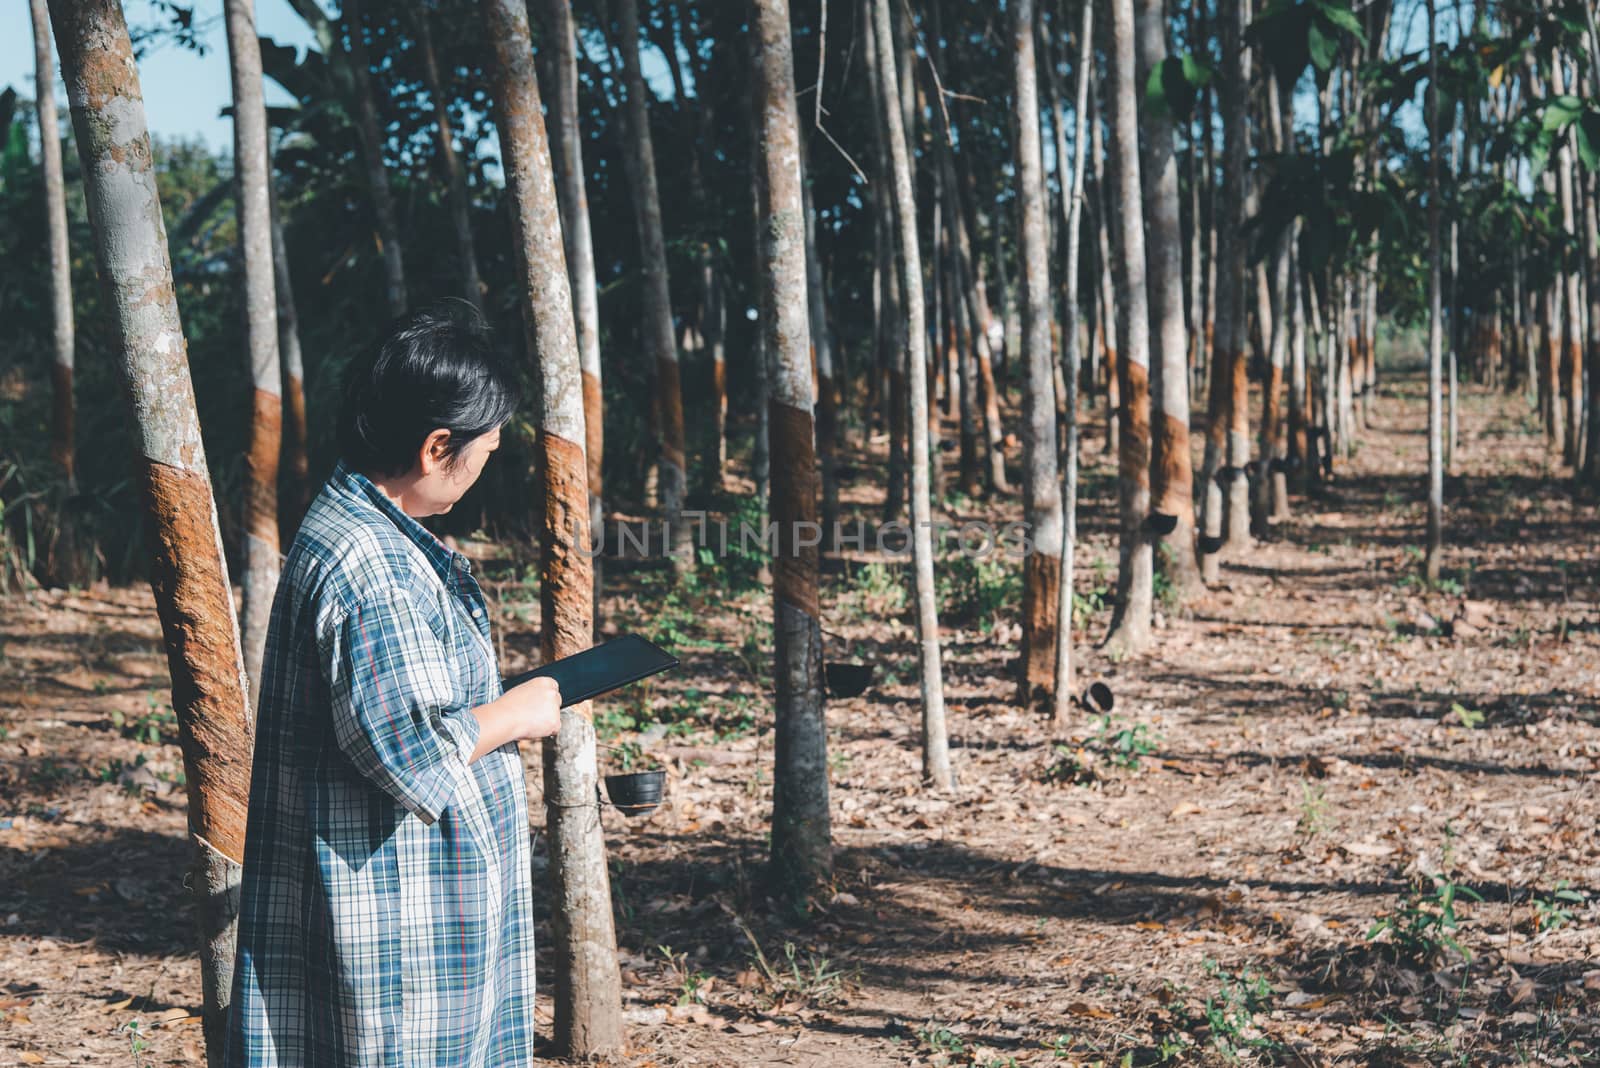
(438,483)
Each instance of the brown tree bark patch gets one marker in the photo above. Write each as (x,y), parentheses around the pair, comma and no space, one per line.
(594,433)
(261,463)
(794,508)
(196,611)
(1041,589)
(671,398)
(566,586)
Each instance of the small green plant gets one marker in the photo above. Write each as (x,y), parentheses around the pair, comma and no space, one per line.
(1467,717)
(1553,912)
(808,978)
(1423,924)
(691,982)
(941,1040)
(978,589)
(1124,744)
(1230,1014)
(879,590)
(1313,810)
(136,1042)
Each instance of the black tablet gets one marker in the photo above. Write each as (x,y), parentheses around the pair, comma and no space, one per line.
(600,670)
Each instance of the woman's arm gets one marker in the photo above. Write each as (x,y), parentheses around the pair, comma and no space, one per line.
(531,710)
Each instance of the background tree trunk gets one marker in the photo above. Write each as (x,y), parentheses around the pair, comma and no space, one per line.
(1041,490)
(659,343)
(187,575)
(372,140)
(293,463)
(63,448)
(935,740)
(459,202)
(1171,467)
(1064,685)
(579,247)
(588,995)
(252,180)
(802,851)
(1130,624)
(1435,313)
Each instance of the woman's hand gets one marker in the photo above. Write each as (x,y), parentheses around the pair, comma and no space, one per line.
(529,711)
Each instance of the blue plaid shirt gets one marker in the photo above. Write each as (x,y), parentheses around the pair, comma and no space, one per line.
(385,916)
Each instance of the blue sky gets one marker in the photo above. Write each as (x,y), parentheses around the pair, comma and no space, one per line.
(183,92)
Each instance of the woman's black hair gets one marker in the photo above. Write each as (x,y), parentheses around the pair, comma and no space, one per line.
(437,368)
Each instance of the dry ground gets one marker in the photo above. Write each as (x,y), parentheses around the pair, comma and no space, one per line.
(1316,749)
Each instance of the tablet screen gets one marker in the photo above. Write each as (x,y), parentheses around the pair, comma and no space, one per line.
(606,667)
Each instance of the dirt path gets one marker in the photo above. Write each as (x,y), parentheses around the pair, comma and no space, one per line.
(1318,746)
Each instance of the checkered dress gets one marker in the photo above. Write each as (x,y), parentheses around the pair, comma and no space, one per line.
(385,917)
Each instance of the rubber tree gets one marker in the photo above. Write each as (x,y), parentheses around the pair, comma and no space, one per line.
(1171,467)
(1435,525)
(659,343)
(188,575)
(371,137)
(802,852)
(457,199)
(1130,624)
(63,406)
(1226,500)
(935,740)
(1041,490)
(588,994)
(1073,205)
(579,247)
(293,463)
(252,197)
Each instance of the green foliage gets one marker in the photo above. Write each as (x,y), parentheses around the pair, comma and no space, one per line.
(1230,1013)
(1555,911)
(978,589)
(1423,924)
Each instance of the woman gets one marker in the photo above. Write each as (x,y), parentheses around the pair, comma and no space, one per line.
(385,914)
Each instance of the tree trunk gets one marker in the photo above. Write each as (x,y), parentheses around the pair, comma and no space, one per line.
(817,310)
(976,305)
(1108,313)
(802,851)
(252,179)
(1571,281)
(578,246)
(293,463)
(657,302)
(1233,279)
(372,141)
(935,742)
(1130,625)
(1064,686)
(460,203)
(1171,467)
(1435,312)
(187,575)
(588,994)
(63,450)
(1041,490)
(1270,468)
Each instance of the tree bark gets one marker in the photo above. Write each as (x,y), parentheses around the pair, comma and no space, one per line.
(460,203)
(588,995)
(1435,313)
(827,388)
(1171,467)
(372,139)
(573,198)
(188,575)
(657,303)
(1041,491)
(802,852)
(1073,199)
(1570,366)
(252,179)
(1130,625)
(63,450)
(935,741)
(293,463)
